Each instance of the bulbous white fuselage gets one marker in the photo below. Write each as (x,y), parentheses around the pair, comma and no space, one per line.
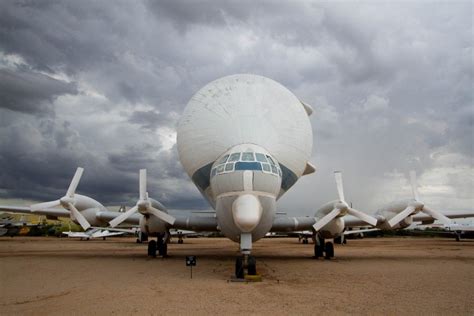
(244,140)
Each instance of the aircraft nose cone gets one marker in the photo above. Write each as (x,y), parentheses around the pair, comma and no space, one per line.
(247,212)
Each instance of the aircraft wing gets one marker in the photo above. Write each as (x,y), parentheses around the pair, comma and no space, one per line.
(351,221)
(52,212)
(193,222)
(107,216)
(421,217)
(292,224)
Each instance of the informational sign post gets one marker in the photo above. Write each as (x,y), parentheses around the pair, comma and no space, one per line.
(191,262)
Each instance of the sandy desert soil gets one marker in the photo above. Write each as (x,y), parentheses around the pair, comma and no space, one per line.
(389,276)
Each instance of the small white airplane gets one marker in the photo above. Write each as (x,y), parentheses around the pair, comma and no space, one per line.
(95,232)
(244,140)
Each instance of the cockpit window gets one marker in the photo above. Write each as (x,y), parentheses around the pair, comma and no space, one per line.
(223,159)
(247,156)
(220,168)
(229,166)
(266,167)
(260,157)
(274,169)
(234,157)
(246,161)
(248,166)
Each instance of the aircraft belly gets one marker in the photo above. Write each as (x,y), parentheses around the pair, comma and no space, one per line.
(226,222)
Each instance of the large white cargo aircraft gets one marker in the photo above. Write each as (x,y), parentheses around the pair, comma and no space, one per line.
(244,140)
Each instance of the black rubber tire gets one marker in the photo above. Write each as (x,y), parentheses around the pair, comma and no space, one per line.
(152,248)
(164,249)
(329,250)
(318,251)
(239,268)
(252,266)
(159,243)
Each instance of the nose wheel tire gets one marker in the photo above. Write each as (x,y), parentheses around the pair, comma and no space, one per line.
(252,265)
(239,268)
(241,265)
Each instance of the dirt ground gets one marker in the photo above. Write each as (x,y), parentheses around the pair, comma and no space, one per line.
(388,276)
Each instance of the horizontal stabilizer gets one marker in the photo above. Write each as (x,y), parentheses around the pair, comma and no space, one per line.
(307,108)
(309,169)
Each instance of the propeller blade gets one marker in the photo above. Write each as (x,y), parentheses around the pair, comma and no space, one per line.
(143,193)
(340,188)
(75,181)
(326,219)
(413,183)
(123,216)
(401,216)
(161,215)
(80,218)
(437,215)
(366,218)
(45,205)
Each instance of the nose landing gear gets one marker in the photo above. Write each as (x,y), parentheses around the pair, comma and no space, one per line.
(246,262)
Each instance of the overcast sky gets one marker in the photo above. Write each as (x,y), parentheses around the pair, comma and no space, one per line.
(101,84)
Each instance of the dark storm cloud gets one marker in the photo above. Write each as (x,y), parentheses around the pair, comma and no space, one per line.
(149,120)
(31,92)
(391,86)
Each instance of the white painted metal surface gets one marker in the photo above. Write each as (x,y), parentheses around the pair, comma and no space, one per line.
(243,109)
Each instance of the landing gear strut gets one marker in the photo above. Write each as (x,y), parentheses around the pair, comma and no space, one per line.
(141,237)
(180,237)
(246,261)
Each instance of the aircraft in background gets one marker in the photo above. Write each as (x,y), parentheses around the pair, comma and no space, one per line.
(244,140)
(457,230)
(9,226)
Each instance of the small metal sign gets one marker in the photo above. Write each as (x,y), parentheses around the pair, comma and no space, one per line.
(191,262)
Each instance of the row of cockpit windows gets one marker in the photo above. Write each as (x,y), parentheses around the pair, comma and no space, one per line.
(246,161)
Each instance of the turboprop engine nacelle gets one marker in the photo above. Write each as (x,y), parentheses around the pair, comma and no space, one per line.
(333,229)
(153,225)
(407,221)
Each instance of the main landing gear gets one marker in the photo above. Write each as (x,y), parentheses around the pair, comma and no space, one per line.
(246,261)
(160,245)
(323,249)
